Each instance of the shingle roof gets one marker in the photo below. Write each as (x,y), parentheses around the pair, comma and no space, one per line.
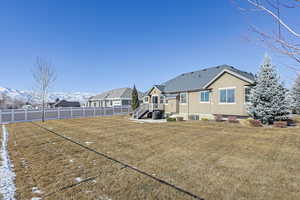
(116,93)
(198,79)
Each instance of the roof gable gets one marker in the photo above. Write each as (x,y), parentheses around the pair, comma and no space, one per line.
(115,94)
(229,72)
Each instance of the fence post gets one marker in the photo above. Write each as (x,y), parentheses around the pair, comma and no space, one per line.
(94,112)
(83,111)
(58,113)
(113,111)
(71,112)
(13,115)
(0,116)
(26,114)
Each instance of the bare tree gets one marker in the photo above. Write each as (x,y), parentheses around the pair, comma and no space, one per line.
(285,37)
(44,77)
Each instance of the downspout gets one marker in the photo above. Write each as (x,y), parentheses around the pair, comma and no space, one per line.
(188,105)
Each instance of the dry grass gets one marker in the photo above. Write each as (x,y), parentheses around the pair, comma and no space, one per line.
(212,160)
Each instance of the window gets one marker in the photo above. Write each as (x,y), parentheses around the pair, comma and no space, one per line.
(166,101)
(247,94)
(227,95)
(155,99)
(146,99)
(204,96)
(95,104)
(126,102)
(183,98)
(161,99)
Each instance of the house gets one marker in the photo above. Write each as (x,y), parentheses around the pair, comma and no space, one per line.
(116,97)
(63,103)
(217,90)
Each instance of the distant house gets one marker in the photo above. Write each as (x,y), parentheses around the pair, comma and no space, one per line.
(116,97)
(217,90)
(64,103)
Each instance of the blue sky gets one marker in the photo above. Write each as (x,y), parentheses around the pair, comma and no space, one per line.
(99,45)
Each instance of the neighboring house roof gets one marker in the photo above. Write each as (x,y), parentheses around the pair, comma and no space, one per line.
(171,96)
(201,79)
(116,94)
(64,103)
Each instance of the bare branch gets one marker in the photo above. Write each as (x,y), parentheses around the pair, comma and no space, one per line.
(277,18)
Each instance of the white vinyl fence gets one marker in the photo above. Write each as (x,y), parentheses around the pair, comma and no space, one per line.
(23,115)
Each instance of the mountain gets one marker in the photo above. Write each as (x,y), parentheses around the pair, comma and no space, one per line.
(33,97)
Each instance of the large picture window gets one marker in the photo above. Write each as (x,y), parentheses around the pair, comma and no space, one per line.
(227,95)
(183,98)
(204,96)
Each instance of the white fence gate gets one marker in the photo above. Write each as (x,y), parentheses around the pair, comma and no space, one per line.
(23,115)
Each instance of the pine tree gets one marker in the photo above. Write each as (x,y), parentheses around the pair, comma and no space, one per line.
(268,97)
(295,96)
(135,99)
(281,106)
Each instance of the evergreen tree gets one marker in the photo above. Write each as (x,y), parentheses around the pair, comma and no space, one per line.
(268,100)
(135,99)
(281,105)
(295,96)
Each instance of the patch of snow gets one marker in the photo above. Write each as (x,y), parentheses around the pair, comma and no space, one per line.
(34,97)
(141,121)
(104,198)
(36,198)
(78,179)
(7,176)
(36,190)
(88,143)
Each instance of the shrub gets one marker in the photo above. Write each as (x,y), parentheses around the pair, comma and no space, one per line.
(169,119)
(232,119)
(255,122)
(219,118)
(280,124)
(204,119)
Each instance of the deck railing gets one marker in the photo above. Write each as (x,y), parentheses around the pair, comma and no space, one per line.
(156,106)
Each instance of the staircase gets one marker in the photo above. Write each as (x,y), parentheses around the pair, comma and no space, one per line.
(141,111)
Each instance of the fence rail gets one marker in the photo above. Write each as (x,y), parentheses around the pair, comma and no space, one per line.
(23,115)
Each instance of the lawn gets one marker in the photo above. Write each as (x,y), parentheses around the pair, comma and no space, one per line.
(209,159)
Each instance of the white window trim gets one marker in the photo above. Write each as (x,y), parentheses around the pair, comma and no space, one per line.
(147,100)
(247,103)
(166,99)
(209,96)
(155,95)
(161,97)
(185,98)
(225,89)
